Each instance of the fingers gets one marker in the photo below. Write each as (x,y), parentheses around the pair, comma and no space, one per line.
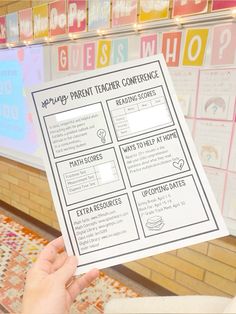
(60,260)
(81,283)
(49,255)
(67,270)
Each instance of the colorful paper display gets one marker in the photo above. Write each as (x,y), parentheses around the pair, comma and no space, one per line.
(25,24)
(98,14)
(40,18)
(171,42)
(124,12)
(77,16)
(63,58)
(58,18)
(221,5)
(195,45)
(188,7)
(104,53)
(120,50)
(12,27)
(148,45)
(153,10)
(2,29)
(89,56)
(224,44)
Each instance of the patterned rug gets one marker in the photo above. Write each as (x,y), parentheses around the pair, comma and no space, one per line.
(19,247)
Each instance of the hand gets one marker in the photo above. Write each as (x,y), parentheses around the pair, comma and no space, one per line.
(50,286)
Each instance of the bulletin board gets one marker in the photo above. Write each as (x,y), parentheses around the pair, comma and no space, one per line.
(200,51)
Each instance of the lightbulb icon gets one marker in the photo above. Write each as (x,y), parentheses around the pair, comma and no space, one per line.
(101,133)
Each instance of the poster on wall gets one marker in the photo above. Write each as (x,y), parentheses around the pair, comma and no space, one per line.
(12,27)
(153,10)
(98,14)
(2,29)
(124,174)
(124,12)
(189,7)
(222,5)
(58,18)
(77,15)
(26,24)
(40,18)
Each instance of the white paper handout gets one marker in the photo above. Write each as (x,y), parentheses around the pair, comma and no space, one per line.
(124,174)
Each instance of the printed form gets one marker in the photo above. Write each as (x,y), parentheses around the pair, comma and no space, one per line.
(124,174)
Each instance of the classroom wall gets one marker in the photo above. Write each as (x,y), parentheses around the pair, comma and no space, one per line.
(206,268)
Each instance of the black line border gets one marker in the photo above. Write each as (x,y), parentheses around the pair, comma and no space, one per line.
(83,150)
(166,86)
(121,175)
(125,194)
(156,178)
(174,228)
(142,133)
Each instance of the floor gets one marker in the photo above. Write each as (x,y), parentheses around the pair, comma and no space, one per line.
(137,287)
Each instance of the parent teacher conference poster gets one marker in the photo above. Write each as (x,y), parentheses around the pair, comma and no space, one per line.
(122,167)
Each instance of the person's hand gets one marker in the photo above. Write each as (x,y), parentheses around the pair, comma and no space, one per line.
(50,286)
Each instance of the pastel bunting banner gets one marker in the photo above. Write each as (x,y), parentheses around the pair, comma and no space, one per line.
(63,58)
(120,50)
(148,45)
(153,10)
(77,16)
(224,44)
(58,18)
(103,53)
(223,4)
(98,14)
(188,7)
(26,24)
(12,27)
(195,46)
(2,29)
(89,56)
(124,12)
(40,18)
(171,43)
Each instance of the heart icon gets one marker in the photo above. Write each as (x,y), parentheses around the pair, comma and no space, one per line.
(179,165)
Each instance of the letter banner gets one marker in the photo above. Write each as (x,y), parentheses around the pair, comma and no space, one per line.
(98,14)
(40,18)
(153,10)
(148,45)
(26,24)
(195,46)
(124,12)
(12,27)
(57,17)
(221,5)
(63,58)
(224,44)
(188,7)
(77,16)
(171,43)
(2,29)
(103,53)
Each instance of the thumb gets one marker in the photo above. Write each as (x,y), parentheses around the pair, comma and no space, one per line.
(64,273)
